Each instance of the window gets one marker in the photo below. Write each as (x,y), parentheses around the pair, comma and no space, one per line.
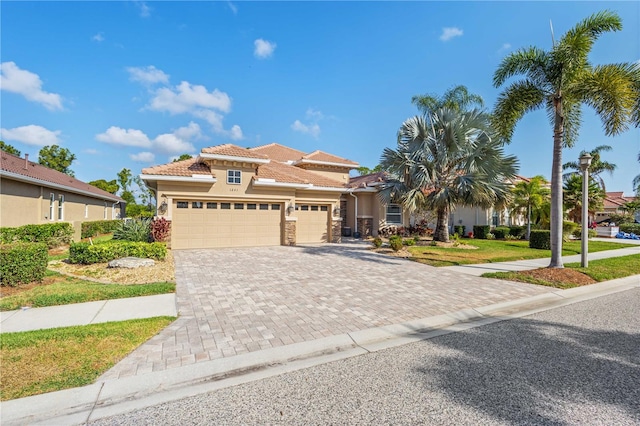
(251,206)
(212,205)
(196,205)
(314,208)
(275,206)
(324,208)
(225,206)
(238,206)
(234,177)
(182,204)
(61,207)
(304,208)
(52,202)
(86,211)
(264,206)
(495,218)
(394,214)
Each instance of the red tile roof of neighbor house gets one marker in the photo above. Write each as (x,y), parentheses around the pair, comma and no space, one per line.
(291,174)
(279,152)
(613,200)
(233,151)
(42,175)
(179,168)
(328,158)
(367,180)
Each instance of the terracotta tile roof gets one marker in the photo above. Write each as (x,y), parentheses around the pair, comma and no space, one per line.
(614,200)
(233,151)
(179,168)
(329,158)
(365,180)
(285,173)
(279,152)
(16,165)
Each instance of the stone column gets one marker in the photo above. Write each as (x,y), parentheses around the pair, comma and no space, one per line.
(290,231)
(336,230)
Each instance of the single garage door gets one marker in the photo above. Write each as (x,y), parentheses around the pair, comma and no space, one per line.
(208,224)
(313,223)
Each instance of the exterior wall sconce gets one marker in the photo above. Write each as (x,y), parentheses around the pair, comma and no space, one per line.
(291,209)
(336,211)
(162,208)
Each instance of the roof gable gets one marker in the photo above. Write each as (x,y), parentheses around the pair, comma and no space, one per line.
(187,167)
(284,173)
(320,157)
(279,152)
(230,150)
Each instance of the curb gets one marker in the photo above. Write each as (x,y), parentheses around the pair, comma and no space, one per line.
(117,396)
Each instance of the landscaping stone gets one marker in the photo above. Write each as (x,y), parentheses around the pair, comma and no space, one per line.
(130,263)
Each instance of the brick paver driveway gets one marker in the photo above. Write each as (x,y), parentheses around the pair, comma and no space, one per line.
(233,301)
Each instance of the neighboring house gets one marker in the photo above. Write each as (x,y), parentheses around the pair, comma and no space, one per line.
(613,204)
(228,196)
(31,193)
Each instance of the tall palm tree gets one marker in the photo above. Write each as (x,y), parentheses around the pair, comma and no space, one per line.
(561,80)
(530,195)
(457,98)
(597,167)
(636,181)
(444,160)
(572,195)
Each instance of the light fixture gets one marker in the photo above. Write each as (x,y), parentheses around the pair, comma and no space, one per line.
(336,211)
(291,209)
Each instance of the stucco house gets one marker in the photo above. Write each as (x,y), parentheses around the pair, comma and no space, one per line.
(614,204)
(229,196)
(31,193)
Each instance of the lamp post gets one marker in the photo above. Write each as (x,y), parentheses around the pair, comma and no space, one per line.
(585,162)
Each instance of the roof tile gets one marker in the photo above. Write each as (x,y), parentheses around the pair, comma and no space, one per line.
(179,168)
(233,151)
(279,152)
(329,158)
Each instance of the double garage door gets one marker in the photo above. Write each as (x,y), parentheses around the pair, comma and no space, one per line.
(210,224)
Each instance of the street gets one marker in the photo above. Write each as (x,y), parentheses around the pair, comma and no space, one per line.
(579,364)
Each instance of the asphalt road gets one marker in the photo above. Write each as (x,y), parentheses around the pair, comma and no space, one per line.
(579,364)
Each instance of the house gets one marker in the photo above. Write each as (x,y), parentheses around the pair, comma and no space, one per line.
(229,196)
(31,193)
(614,204)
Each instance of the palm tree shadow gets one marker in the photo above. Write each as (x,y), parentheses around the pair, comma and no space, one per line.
(524,371)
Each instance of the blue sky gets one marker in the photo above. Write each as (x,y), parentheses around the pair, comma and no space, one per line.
(133,84)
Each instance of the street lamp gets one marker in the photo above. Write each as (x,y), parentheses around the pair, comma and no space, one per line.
(585,162)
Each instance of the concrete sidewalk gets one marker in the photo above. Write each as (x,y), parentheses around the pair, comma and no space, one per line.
(88,313)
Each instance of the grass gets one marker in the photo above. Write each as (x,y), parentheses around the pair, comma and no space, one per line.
(599,270)
(60,289)
(489,251)
(41,361)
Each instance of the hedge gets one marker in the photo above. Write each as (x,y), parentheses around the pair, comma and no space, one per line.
(52,234)
(91,229)
(481,231)
(630,228)
(540,239)
(518,231)
(22,263)
(500,232)
(87,254)
(459,229)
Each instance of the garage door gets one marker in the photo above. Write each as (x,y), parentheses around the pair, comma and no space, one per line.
(312,226)
(208,224)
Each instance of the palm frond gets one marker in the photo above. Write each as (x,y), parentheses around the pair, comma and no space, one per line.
(516,100)
(528,61)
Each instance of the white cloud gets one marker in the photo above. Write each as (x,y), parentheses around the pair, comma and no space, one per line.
(91,151)
(143,157)
(127,137)
(233,7)
(263,48)
(313,114)
(190,131)
(504,47)
(236,133)
(169,143)
(186,98)
(98,37)
(27,84)
(312,129)
(145,11)
(450,32)
(148,75)
(31,135)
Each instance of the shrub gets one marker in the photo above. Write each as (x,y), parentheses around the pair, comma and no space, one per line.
(377,242)
(133,230)
(22,263)
(87,254)
(395,242)
(591,233)
(621,218)
(93,228)
(490,236)
(481,231)
(568,227)
(510,237)
(409,242)
(160,229)
(517,231)
(540,239)
(459,229)
(500,232)
(52,234)
(630,228)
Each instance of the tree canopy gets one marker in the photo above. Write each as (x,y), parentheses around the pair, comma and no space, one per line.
(597,167)
(110,186)
(183,157)
(10,149)
(457,98)
(57,158)
(529,197)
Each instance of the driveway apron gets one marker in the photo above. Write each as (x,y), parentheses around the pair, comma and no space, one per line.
(234,301)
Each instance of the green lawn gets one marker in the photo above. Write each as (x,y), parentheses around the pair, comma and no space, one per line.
(599,270)
(489,251)
(41,361)
(60,289)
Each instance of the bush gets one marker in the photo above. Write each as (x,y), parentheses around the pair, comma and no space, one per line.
(500,232)
(161,228)
(568,228)
(22,263)
(377,242)
(93,228)
(133,230)
(490,236)
(88,254)
(540,239)
(630,228)
(591,233)
(481,231)
(409,242)
(459,229)
(510,237)
(619,219)
(517,231)
(52,234)
(395,242)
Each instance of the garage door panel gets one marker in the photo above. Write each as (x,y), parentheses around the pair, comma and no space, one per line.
(313,224)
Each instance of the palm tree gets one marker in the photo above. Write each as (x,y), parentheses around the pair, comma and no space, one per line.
(636,181)
(444,160)
(457,98)
(561,80)
(530,195)
(597,167)
(573,197)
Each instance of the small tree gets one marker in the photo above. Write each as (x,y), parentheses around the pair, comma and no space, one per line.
(111,186)
(10,149)
(528,196)
(57,158)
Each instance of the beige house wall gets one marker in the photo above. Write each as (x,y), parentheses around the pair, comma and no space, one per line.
(339,175)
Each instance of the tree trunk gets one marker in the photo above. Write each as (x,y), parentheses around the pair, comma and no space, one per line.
(556,186)
(528,222)
(442,226)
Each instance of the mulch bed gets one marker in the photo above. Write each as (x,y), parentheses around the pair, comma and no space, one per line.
(559,275)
